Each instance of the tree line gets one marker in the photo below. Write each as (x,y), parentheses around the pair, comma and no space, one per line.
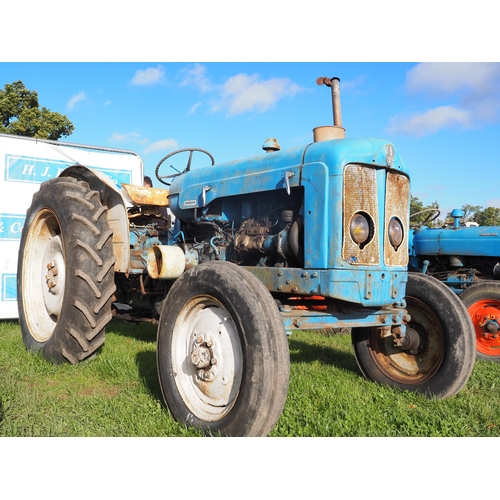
(420,214)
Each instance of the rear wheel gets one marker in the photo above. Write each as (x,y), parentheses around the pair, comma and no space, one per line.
(439,356)
(483,303)
(65,274)
(222,352)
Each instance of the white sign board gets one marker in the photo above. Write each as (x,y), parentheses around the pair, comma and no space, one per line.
(25,164)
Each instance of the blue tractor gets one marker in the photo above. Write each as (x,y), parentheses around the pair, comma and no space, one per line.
(467,259)
(230,258)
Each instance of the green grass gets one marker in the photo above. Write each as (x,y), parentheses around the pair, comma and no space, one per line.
(117,393)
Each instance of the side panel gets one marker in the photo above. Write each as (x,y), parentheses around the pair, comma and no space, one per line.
(25,164)
(471,241)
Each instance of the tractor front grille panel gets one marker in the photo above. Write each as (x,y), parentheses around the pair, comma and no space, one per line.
(361,196)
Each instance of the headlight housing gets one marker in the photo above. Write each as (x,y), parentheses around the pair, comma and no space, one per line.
(361,229)
(396,232)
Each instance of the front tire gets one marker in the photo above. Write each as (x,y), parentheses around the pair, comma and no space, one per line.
(442,354)
(483,303)
(65,276)
(222,352)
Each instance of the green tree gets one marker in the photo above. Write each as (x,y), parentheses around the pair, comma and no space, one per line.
(488,217)
(470,211)
(420,214)
(20,114)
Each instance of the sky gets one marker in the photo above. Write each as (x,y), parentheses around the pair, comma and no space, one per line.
(443,117)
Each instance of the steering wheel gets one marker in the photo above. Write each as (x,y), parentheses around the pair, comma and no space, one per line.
(434,214)
(188,166)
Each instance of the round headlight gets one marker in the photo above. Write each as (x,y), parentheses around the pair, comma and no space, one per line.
(396,232)
(360,228)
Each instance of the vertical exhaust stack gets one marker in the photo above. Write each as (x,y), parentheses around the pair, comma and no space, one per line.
(336,131)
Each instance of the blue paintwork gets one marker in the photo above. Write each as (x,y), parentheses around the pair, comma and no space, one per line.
(471,241)
(315,320)
(471,251)
(267,172)
(317,169)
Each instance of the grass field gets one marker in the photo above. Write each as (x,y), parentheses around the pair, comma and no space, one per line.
(117,393)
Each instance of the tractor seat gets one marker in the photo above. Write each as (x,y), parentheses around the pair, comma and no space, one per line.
(143,196)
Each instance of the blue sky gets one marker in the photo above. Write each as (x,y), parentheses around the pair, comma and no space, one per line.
(443,117)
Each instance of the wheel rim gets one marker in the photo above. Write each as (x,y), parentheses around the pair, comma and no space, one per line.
(207,358)
(485,315)
(43,278)
(415,365)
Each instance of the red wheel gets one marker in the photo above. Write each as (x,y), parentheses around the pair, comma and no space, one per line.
(483,303)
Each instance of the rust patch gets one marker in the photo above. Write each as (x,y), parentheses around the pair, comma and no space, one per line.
(360,195)
(139,195)
(396,205)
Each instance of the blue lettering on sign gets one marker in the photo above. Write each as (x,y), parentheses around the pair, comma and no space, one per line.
(11,226)
(9,287)
(38,170)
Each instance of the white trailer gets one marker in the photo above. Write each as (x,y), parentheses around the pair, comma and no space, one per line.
(26,163)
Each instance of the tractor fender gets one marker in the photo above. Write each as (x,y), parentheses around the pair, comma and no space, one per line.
(111,197)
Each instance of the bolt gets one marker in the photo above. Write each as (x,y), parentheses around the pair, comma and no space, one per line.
(205,375)
(201,357)
(213,361)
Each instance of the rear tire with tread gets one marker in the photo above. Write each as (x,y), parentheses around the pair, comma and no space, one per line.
(65,276)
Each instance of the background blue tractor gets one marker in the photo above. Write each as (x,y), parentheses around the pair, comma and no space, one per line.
(232,257)
(467,260)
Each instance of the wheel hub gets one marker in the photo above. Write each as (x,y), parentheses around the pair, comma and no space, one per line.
(206,345)
(202,357)
(53,276)
(490,327)
(411,342)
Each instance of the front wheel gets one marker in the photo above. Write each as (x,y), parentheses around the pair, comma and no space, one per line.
(222,352)
(483,303)
(440,356)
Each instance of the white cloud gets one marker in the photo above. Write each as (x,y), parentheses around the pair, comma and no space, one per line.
(136,138)
(429,122)
(242,93)
(468,94)
(149,76)
(195,76)
(81,96)
(354,86)
(129,137)
(163,145)
(193,108)
(447,78)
